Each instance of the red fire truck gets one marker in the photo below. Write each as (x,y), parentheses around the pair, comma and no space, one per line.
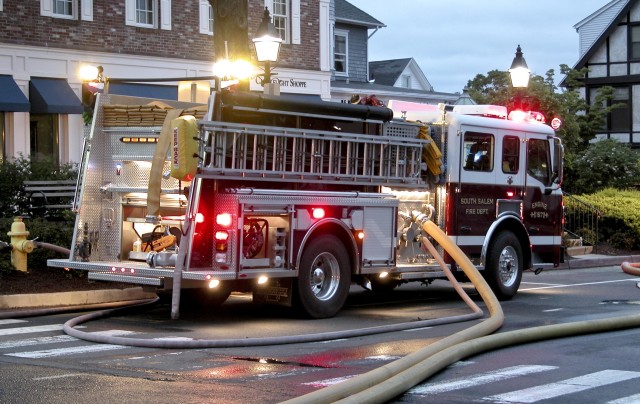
(296,199)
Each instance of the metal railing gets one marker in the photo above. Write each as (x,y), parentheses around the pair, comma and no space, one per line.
(581,220)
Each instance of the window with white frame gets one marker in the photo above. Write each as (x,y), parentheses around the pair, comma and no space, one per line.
(340,52)
(285,15)
(148,14)
(0,5)
(67,9)
(145,12)
(280,18)
(206,18)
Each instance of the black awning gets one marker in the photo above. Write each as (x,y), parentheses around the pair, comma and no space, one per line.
(11,97)
(144,90)
(53,96)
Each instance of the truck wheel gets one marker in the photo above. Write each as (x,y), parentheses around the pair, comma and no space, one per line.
(504,265)
(324,278)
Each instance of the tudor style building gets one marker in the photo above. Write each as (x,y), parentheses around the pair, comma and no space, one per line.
(609,43)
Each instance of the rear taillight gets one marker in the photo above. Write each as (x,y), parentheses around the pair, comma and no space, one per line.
(221,240)
(223,219)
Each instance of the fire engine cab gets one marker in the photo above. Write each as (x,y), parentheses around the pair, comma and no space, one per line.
(295,200)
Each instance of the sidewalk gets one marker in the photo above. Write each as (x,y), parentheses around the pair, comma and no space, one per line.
(78,298)
(596,260)
(29,301)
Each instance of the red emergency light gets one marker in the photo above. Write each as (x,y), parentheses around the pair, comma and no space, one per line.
(518,115)
(224,219)
(318,213)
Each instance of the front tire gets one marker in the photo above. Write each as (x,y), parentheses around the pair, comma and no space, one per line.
(324,278)
(504,265)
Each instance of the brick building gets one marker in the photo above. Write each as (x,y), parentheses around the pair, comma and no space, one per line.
(43,43)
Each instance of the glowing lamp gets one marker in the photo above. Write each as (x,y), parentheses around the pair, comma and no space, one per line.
(199,218)
(318,213)
(223,219)
(519,70)
(267,40)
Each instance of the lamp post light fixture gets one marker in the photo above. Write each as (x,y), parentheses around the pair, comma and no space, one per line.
(267,42)
(519,73)
(519,70)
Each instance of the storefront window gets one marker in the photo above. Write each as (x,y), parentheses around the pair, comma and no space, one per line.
(44,137)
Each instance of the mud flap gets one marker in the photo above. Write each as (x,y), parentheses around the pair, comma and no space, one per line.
(276,291)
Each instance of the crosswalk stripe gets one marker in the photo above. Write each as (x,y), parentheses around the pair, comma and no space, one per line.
(56,339)
(48,353)
(11,321)
(494,376)
(568,386)
(634,399)
(29,330)
(37,341)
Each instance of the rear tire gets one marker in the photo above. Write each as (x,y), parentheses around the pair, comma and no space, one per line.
(324,278)
(504,265)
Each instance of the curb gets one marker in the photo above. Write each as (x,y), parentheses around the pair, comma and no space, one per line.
(72,298)
(595,260)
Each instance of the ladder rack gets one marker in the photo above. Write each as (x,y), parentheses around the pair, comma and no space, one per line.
(242,151)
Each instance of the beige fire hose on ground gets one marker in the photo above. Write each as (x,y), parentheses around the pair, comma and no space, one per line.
(391,380)
(631,268)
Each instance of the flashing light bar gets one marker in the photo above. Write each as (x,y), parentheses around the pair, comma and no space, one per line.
(493,111)
(526,116)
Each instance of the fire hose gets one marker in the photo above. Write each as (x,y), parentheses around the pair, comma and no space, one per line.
(384,383)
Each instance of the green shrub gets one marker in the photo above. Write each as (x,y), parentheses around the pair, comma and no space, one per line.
(604,164)
(57,229)
(619,224)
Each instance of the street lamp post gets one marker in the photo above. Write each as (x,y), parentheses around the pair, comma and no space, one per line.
(267,43)
(520,74)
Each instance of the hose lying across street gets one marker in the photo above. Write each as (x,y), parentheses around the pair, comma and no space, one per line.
(386,382)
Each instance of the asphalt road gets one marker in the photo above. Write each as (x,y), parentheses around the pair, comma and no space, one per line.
(41,364)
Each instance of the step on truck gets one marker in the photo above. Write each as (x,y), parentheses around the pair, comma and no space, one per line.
(295,199)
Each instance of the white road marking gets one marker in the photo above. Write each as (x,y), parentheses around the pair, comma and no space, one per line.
(29,330)
(417,329)
(56,339)
(37,341)
(49,353)
(577,284)
(59,376)
(11,321)
(568,386)
(484,378)
(328,382)
(383,357)
(551,310)
(634,399)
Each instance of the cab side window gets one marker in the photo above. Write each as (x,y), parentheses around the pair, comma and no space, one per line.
(510,154)
(478,151)
(539,160)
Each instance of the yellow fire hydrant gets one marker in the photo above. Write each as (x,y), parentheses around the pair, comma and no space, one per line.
(20,246)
